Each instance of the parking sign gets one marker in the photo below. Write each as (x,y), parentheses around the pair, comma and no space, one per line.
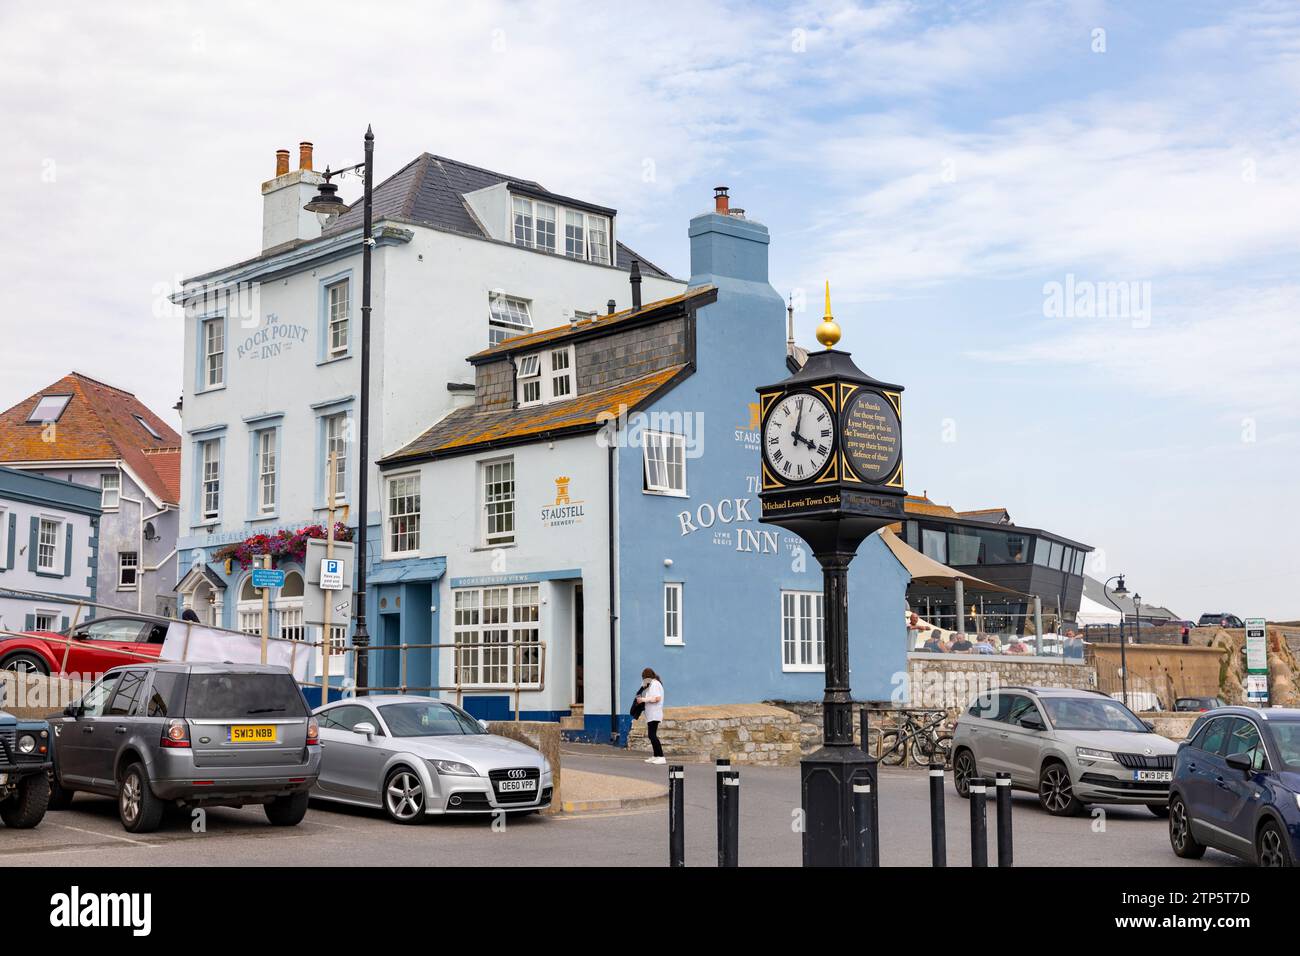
(331,574)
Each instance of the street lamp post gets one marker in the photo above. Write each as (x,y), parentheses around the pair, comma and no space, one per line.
(1137,618)
(1120,591)
(328,202)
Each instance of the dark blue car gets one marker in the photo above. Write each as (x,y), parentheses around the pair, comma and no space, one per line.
(1236,786)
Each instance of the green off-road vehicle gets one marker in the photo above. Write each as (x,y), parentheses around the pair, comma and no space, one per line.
(25,763)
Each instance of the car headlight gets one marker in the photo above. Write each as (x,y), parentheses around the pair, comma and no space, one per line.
(454,767)
(26,744)
(1088,753)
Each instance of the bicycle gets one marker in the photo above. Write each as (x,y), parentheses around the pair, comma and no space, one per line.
(921,740)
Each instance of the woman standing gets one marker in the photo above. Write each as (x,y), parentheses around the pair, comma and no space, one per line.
(652,696)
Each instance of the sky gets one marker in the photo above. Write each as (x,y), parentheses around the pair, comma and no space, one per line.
(1069,229)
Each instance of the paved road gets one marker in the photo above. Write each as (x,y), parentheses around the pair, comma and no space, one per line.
(89,833)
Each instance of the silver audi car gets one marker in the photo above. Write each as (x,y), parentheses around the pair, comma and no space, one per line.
(1071,747)
(415,756)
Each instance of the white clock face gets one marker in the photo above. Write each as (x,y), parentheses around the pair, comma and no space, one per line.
(797,436)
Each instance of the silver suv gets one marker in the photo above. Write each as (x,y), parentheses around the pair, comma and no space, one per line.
(190,735)
(1071,747)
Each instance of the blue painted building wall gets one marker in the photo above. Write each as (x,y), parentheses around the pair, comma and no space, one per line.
(733,572)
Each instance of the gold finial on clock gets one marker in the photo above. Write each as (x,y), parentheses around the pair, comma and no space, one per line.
(828,333)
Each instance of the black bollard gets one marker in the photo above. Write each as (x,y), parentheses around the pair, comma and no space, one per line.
(1003,782)
(676,820)
(721,766)
(864,847)
(979,834)
(938,829)
(729,820)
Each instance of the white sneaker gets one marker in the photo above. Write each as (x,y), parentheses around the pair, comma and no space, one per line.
(649,760)
(658,759)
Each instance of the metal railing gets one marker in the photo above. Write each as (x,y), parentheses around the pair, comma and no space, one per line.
(516,659)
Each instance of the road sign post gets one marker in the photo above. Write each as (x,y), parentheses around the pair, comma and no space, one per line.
(1256,661)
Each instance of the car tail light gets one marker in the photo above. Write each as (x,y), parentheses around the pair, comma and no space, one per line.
(313,732)
(176,733)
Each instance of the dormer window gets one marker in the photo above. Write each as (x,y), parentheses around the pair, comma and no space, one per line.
(586,236)
(545,377)
(534,224)
(49,408)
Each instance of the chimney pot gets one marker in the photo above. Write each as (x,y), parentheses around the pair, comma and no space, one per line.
(635,279)
(281,162)
(304,155)
(721,201)
(610,307)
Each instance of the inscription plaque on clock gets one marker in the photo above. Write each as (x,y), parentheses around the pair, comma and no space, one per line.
(871,436)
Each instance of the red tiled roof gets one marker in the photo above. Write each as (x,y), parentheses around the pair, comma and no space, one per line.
(99,423)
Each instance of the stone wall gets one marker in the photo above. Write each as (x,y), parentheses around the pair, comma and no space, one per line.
(743,733)
(540,735)
(1168,672)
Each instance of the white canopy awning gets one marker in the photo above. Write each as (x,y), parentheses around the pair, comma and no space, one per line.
(1090,612)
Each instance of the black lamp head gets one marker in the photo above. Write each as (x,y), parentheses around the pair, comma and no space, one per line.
(1120,590)
(327,201)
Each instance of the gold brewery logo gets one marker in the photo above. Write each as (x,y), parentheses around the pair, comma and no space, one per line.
(565,511)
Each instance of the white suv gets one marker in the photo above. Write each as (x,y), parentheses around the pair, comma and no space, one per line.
(1071,747)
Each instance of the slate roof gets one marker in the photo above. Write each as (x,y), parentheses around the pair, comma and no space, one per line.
(650,311)
(97,424)
(467,429)
(429,190)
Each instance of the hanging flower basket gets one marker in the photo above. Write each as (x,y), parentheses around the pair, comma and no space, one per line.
(290,546)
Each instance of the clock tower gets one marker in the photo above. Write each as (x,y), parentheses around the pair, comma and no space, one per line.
(832,473)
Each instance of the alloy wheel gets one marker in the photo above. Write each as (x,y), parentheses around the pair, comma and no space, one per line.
(405,795)
(1055,789)
(1178,826)
(962,770)
(1271,851)
(130,798)
(24,666)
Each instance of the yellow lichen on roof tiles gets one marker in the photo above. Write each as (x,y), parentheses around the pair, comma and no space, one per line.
(475,426)
(543,336)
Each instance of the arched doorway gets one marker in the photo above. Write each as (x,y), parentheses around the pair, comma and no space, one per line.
(286,608)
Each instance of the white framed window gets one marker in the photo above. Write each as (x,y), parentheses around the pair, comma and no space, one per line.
(48,408)
(529,375)
(128,568)
(673,613)
(575,245)
(110,490)
(336,442)
(266,471)
(499,502)
(534,224)
(496,632)
(561,361)
(404,514)
(210,471)
(45,621)
(508,316)
(338,303)
(665,463)
(214,352)
(802,646)
(598,239)
(49,546)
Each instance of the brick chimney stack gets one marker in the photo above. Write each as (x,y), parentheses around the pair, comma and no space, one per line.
(283,218)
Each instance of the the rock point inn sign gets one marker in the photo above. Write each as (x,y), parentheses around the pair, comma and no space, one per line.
(832,473)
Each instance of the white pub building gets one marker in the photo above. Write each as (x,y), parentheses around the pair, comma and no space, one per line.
(463,258)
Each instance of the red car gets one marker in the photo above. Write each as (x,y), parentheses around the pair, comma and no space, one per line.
(92,649)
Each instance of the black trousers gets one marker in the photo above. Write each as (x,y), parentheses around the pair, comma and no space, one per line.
(652,730)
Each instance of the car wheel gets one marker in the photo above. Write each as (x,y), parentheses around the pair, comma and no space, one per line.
(287,811)
(1180,831)
(1271,846)
(963,769)
(26,664)
(60,796)
(140,810)
(1159,809)
(404,796)
(1056,792)
(26,808)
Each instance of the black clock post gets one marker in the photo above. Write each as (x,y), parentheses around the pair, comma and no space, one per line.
(832,486)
